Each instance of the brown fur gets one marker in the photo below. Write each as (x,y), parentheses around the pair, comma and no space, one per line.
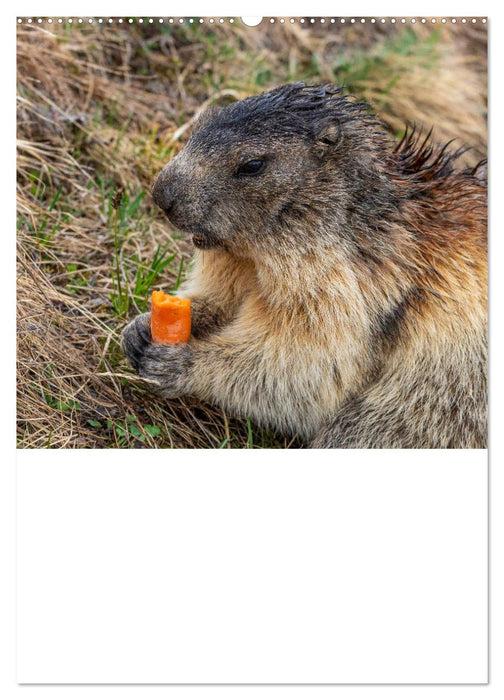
(340,295)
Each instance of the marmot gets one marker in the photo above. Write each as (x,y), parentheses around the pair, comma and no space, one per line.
(339,287)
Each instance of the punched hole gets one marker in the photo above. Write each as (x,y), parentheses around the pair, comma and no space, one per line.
(251,21)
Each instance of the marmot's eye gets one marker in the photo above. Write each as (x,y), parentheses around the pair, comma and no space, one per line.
(251,167)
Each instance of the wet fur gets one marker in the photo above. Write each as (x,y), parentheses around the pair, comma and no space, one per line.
(342,297)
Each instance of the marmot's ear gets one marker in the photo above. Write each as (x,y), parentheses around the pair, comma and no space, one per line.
(327,137)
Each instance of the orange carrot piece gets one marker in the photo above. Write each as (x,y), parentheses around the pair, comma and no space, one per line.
(170,318)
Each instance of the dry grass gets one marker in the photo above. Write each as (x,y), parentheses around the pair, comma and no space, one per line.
(103,108)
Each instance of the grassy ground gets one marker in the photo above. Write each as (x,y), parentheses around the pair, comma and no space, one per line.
(100,110)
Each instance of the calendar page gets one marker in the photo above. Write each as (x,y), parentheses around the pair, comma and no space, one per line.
(252,267)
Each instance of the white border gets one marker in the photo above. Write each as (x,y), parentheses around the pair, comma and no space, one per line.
(333,566)
(271,9)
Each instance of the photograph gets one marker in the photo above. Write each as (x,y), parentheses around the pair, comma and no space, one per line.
(251,237)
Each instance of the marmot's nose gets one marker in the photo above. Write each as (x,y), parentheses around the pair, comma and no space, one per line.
(162,194)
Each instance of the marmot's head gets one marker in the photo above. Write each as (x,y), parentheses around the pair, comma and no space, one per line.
(298,160)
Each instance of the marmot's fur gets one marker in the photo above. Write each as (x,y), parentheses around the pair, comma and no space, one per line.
(339,289)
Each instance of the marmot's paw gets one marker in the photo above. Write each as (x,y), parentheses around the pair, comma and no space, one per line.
(167,365)
(135,338)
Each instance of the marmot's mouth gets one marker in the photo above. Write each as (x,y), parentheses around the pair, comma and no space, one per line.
(202,238)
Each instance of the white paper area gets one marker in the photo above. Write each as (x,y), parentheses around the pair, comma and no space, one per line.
(252,567)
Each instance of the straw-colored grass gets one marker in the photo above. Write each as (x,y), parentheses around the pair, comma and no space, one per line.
(100,110)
